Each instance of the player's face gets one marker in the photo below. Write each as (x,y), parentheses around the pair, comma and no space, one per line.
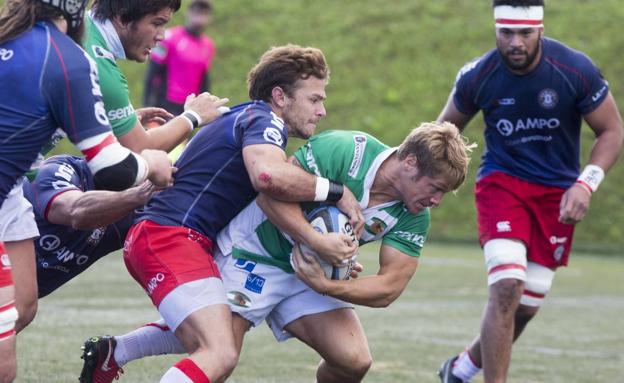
(139,37)
(306,107)
(418,191)
(519,47)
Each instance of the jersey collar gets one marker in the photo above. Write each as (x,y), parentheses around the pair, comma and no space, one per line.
(108,32)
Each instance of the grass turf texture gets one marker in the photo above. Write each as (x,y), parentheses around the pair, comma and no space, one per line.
(575,338)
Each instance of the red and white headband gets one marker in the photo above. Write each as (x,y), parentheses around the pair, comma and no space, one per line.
(507,16)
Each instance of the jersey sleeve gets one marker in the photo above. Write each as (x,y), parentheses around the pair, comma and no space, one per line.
(71,88)
(260,127)
(54,178)
(591,86)
(409,234)
(463,92)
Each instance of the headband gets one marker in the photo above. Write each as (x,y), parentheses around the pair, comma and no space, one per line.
(507,16)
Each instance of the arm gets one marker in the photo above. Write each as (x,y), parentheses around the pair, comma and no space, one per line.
(97,208)
(168,136)
(451,114)
(395,271)
(606,123)
(288,217)
(271,174)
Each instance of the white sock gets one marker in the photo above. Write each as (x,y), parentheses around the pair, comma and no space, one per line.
(151,339)
(464,368)
(173,375)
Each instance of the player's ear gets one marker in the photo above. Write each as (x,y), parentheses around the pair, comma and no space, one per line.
(278,96)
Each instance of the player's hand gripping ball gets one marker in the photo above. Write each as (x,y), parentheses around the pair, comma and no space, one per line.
(329,219)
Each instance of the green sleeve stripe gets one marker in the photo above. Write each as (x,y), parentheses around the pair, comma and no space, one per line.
(244,254)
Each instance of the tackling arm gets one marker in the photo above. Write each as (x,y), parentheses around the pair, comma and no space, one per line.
(380,290)
(96,208)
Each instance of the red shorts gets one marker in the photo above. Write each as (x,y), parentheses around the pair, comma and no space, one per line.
(162,258)
(5,268)
(508,207)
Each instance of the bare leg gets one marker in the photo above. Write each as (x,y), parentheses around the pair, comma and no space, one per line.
(339,338)
(24,269)
(8,363)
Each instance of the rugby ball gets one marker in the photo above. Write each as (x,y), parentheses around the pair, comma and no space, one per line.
(329,219)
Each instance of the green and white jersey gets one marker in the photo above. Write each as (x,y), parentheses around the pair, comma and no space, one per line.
(352,158)
(103,45)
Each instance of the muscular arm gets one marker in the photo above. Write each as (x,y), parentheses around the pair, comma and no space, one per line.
(96,208)
(380,290)
(451,114)
(606,122)
(165,137)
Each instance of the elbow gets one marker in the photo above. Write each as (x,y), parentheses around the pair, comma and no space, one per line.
(80,221)
(265,182)
(386,299)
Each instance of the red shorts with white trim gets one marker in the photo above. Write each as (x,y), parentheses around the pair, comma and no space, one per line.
(508,207)
(5,268)
(162,258)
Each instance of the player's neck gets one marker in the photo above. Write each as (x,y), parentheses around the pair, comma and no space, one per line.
(383,189)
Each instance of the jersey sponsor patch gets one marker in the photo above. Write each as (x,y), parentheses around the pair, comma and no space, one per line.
(254,283)
(6,54)
(273,135)
(245,264)
(358,154)
(100,52)
(121,113)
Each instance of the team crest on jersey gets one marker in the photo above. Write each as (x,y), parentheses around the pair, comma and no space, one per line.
(548,98)
(96,236)
(238,299)
(100,52)
(377,227)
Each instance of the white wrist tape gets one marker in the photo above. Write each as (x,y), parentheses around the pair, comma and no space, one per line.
(592,176)
(142,170)
(322,189)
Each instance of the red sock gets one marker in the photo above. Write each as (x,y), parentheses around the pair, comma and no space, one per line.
(190,369)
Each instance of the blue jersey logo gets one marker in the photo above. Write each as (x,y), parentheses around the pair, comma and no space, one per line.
(254,283)
(245,264)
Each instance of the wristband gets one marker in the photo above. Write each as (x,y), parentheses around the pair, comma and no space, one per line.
(336,189)
(322,189)
(193,118)
(591,177)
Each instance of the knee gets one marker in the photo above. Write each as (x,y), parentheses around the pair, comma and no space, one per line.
(27,311)
(505,294)
(524,314)
(223,360)
(229,360)
(355,365)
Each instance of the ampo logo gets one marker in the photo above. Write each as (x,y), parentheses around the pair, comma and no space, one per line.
(5,54)
(506,127)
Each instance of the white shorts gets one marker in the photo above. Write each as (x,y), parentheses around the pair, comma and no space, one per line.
(260,292)
(17,220)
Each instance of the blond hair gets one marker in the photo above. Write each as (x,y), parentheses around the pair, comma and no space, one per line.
(440,151)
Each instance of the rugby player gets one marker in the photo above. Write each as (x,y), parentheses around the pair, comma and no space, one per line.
(48,82)
(395,187)
(534,93)
(169,249)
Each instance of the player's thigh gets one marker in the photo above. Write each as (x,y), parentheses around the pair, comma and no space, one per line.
(207,328)
(337,335)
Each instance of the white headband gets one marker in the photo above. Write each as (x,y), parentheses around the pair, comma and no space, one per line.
(507,16)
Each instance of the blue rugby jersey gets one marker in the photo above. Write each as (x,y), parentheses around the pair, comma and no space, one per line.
(212,184)
(63,252)
(532,121)
(46,81)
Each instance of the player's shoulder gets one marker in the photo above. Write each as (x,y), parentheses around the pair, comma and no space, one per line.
(79,164)
(565,57)
(347,137)
(252,111)
(479,66)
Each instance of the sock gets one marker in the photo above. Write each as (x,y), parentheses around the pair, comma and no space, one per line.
(464,368)
(185,371)
(151,339)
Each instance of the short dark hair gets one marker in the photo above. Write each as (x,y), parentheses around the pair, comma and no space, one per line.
(201,6)
(518,3)
(131,10)
(284,66)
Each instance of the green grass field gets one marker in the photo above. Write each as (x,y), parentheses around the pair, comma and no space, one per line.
(577,338)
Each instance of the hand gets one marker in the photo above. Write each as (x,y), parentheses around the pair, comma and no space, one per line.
(208,106)
(309,270)
(356,270)
(334,248)
(574,204)
(153,116)
(145,191)
(160,169)
(349,205)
